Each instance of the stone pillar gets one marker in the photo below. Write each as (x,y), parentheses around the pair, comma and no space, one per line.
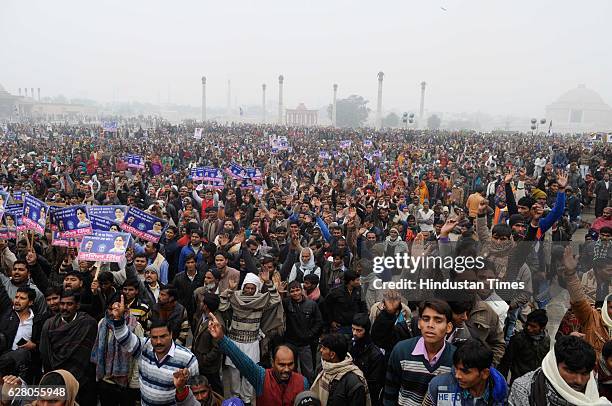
(203,98)
(26,91)
(280,99)
(422,109)
(19,91)
(334,123)
(263,103)
(32,92)
(39,94)
(379,103)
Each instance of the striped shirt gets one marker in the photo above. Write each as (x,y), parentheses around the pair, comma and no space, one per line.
(409,372)
(156,377)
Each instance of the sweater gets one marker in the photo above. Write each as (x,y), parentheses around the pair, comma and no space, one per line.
(263,381)
(408,375)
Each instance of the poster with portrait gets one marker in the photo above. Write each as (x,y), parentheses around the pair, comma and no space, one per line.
(13,217)
(143,225)
(58,241)
(104,224)
(72,221)
(35,213)
(115,213)
(104,246)
(134,161)
(4,198)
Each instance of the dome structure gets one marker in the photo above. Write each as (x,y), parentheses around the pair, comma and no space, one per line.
(580,109)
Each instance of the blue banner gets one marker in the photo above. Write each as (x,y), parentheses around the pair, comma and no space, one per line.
(110,126)
(114,213)
(103,224)
(143,225)
(134,161)
(207,174)
(236,171)
(104,246)
(72,221)
(35,214)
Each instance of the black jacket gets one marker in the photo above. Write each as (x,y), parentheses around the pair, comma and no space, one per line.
(206,349)
(371,361)
(9,322)
(341,306)
(349,390)
(523,354)
(304,322)
(185,288)
(386,333)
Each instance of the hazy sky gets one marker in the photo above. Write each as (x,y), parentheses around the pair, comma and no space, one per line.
(480,55)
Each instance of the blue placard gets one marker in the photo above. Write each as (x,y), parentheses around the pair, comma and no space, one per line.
(206,174)
(35,214)
(114,213)
(72,221)
(236,171)
(143,225)
(103,224)
(104,246)
(134,161)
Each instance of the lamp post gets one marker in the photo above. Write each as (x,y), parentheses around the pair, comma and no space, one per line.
(535,124)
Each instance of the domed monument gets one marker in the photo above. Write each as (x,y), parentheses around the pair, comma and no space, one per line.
(580,109)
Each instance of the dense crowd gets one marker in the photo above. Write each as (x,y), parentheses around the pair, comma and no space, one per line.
(276,289)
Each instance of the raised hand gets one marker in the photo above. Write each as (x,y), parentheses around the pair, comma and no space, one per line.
(233,283)
(118,309)
(562,179)
(483,206)
(448,227)
(264,276)
(509,176)
(31,258)
(180,378)
(569,260)
(214,327)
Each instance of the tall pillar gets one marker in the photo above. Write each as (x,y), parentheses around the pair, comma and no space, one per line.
(379,103)
(334,105)
(39,94)
(280,99)
(422,109)
(32,92)
(26,91)
(263,103)
(229,98)
(203,98)
(19,91)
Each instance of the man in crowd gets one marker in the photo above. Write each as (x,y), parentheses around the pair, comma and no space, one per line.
(565,377)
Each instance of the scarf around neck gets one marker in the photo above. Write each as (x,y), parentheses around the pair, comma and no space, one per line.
(335,371)
(590,397)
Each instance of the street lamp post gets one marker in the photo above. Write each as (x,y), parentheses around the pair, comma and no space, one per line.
(535,124)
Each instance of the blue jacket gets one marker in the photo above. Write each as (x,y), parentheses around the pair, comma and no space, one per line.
(445,391)
(186,250)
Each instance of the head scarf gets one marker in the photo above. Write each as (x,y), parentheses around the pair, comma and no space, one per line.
(310,265)
(253,280)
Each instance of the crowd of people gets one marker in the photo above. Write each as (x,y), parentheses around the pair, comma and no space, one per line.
(276,289)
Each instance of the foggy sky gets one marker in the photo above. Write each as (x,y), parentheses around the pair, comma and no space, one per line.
(499,57)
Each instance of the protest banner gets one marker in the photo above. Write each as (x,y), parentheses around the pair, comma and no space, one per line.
(35,214)
(104,246)
(345,144)
(18,196)
(143,225)
(134,161)
(104,224)
(236,171)
(15,211)
(58,241)
(72,221)
(253,173)
(4,198)
(197,133)
(206,174)
(115,213)
(324,155)
(110,126)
